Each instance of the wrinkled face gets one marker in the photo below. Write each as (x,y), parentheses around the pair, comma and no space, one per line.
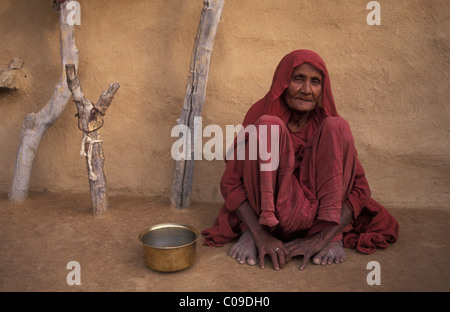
(305,88)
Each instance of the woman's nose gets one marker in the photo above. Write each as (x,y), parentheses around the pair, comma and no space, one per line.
(306,88)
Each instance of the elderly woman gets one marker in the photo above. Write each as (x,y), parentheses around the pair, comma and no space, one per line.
(317,200)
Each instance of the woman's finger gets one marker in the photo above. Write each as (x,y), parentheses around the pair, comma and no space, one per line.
(305,261)
(287,254)
(261,258)
(274,255)
(296,250)
(281,258)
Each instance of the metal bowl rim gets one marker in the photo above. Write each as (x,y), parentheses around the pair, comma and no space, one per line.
(169,225)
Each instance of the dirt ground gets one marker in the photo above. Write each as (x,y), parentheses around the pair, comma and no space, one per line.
(42,235)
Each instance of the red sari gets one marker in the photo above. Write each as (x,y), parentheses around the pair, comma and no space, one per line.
(318,171)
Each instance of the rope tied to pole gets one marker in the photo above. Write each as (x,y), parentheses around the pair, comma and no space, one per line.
(91,142)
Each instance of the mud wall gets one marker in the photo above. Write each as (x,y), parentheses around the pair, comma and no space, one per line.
(390,81)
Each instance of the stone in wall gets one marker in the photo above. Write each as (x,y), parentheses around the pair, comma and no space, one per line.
(8,75)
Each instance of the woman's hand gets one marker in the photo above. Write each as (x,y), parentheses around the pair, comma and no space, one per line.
(269,245)
(307,247)
(264,241)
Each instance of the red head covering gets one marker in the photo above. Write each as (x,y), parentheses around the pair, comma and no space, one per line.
(274,104)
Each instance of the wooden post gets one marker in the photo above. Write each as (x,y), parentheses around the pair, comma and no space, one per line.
(195,97)
(90,120)
(36,125)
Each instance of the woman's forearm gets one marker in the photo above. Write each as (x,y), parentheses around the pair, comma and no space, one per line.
(249,218)
(329,233)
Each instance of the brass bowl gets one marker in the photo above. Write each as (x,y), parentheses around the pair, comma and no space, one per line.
(169,247)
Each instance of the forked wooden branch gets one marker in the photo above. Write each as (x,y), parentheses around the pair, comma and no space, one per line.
(90,121)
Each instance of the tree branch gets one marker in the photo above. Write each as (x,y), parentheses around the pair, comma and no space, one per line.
(36,125)
(92,148)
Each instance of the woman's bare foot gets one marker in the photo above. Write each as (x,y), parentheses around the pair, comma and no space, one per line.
(244,251)
(332,253)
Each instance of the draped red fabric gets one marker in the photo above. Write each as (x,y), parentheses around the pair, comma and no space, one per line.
(311,194)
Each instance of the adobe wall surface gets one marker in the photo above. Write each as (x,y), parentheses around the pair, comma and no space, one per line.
(391,82)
